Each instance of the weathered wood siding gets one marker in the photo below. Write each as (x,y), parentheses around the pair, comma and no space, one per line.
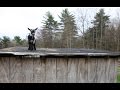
(58,70)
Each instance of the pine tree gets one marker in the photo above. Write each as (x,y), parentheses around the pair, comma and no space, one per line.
(18,40)
(49,28)
(69,29)
(5,41)
(100,24)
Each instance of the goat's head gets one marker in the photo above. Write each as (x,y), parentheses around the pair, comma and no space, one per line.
(32,31)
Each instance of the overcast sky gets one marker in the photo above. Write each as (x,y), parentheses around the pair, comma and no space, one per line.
(14,21)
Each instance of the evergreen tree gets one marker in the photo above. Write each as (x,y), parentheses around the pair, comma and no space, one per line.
(96,34)
(49,28)
(5,41)
(18,40)
(69,29)
(100,23)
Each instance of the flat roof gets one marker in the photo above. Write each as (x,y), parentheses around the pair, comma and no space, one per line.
(23,51)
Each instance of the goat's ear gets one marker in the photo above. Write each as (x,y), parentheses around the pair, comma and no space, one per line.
(29,29)
(36,28)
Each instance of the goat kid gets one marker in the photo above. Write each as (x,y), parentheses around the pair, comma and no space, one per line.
(31,39)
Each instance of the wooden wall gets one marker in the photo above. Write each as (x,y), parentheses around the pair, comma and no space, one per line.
(58,70)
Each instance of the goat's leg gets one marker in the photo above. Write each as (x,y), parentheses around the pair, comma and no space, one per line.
(29,46)
(34,46)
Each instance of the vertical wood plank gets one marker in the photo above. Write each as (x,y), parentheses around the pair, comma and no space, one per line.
(82,71)
(116,70)
(61,70)
(15,70)
(110,69)
(92,70)
(72,70)
(101,70)
(113,77)
(27,70)
(4,69)
(51,70)
(39,70)
(118,65)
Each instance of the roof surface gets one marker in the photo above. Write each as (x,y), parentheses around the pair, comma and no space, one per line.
(56,52)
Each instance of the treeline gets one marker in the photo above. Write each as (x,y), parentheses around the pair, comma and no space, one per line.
(58,34)
(71,32)
(101,33)
(5,42)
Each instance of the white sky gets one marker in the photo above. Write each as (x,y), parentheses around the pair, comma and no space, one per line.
(14,21)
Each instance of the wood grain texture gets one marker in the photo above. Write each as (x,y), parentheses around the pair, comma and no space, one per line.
(101,70)
(82,70)
(116,70)
(110,67)
(58,70)
(61,70)
(27,70)
(72,71)
(50,70)
(15,70)
(4,70)
(39,70)
(92,70)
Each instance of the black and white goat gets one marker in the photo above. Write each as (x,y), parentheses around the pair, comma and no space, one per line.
(31,39)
